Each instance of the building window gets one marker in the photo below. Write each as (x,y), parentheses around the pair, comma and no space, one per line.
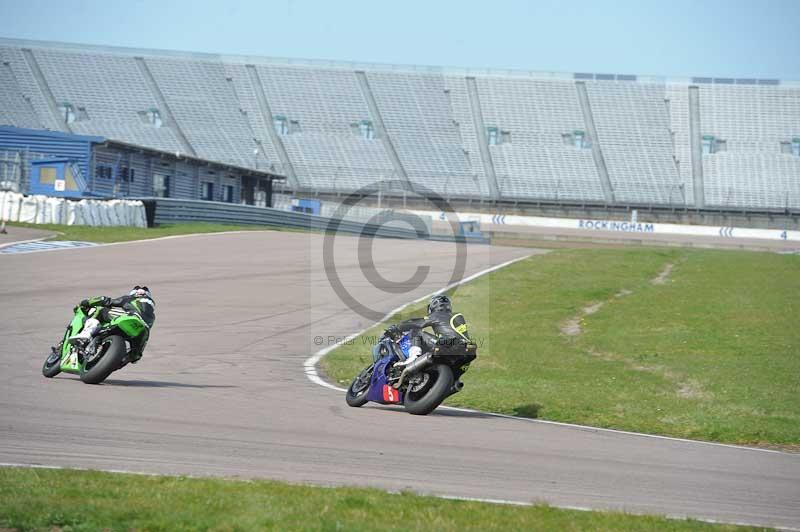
(154,117)
(103,171)
(207,191)
(708,144)
(711,144)
(151,117)
(47,175)
(796,146)
(228,194)
(366,129)
(492,136)
(67,112)
(505,137)
(579,138)
(281,125)
(127,174)
(161,185)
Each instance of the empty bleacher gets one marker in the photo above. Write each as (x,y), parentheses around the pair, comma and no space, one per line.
(322,109)
(417,117)
(246,97)
(14,108)
(537,163)
(340,127)
(108,96)
(753,121)
(204,105)
(633,129)
(31,92)
(746,179)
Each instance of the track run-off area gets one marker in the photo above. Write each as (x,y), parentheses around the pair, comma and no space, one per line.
(222,389)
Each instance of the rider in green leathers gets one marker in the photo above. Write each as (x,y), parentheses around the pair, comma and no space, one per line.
(102,309)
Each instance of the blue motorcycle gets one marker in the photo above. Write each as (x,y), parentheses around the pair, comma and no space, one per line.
(421,385)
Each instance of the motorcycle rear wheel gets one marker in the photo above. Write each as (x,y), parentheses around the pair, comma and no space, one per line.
(97,369)
(426,401)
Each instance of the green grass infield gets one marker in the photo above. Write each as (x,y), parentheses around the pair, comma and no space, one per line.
(697,344)
(70,500)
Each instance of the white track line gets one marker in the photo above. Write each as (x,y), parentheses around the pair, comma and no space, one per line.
(310,369)
(7,244)
(504,502)
(106,244)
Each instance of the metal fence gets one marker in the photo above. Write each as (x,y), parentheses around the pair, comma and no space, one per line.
(11,170)
(170,210)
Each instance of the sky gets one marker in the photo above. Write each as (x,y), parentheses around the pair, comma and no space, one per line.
(677,38)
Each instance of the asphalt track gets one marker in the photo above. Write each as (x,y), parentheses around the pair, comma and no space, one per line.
(221,390)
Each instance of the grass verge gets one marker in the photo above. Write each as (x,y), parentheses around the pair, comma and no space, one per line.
(40,499)
(708,352)
(106,235)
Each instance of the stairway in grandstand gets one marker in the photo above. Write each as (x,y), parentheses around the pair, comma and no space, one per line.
(487,135)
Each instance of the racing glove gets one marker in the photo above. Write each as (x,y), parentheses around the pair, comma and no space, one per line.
(102,301)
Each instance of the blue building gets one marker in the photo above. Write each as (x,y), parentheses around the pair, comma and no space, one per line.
(35,161)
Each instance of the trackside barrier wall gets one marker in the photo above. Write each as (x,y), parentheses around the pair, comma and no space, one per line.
(358,213)
(170,210)
(643,228)
(15,207)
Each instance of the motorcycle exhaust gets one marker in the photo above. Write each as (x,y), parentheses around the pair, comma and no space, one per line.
(416,366)
(456,388)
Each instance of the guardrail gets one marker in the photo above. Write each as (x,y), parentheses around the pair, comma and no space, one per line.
(171,210)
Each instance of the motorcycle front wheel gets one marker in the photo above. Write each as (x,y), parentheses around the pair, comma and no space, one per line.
(357,392)
(52,365)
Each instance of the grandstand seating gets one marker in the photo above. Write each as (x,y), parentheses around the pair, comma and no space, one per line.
(14,109)
(323,106)
(247,99)
(753,120)
(30,89)
(416,113)
(746,179)
(204,105)
(340,127)
(633,130)
(536,163)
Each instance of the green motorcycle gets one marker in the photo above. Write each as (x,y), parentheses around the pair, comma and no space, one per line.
(105,353)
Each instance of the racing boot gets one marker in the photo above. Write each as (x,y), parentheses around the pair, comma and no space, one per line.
(90,328)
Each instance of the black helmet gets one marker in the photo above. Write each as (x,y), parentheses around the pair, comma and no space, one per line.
(440,303)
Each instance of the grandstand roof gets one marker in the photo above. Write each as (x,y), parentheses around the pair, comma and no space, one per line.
(356,65)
